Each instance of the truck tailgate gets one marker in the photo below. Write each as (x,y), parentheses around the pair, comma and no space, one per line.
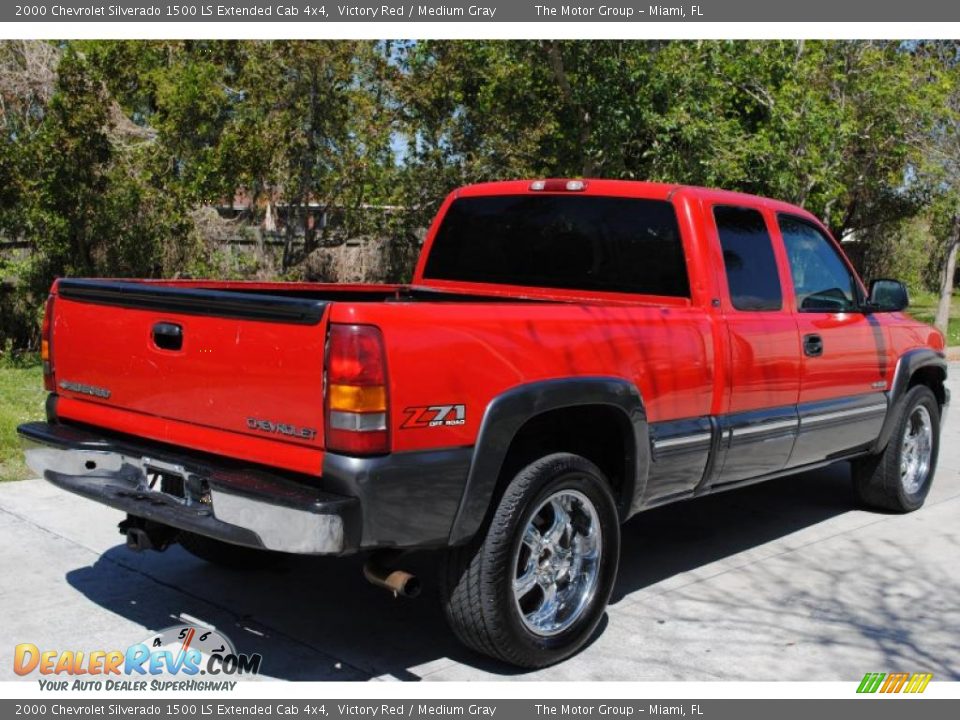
(239,362)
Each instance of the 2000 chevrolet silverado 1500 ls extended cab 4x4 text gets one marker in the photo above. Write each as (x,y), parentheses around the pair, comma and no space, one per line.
(568,354)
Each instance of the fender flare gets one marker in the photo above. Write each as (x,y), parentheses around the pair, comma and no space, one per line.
(907,366)
(508,412)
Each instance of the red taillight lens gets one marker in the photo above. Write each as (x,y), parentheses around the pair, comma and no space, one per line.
(356,395)
(356,355)
(46,348)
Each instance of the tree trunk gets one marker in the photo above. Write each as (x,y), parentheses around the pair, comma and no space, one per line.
(309,230)
(555,57)
(946,280)
(287,259)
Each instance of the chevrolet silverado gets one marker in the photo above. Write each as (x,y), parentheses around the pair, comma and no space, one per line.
(568,354)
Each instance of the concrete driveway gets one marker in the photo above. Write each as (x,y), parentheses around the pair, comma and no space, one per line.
(782,581)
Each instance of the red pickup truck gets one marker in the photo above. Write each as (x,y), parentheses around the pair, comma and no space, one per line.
(568,354)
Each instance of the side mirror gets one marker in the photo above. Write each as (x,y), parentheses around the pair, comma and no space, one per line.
(888,295)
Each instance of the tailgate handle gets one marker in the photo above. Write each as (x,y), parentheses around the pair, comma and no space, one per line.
(168,336)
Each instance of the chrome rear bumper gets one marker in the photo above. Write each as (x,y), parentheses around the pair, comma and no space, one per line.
(236,505)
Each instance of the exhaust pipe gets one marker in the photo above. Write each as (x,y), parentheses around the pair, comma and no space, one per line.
(399,582)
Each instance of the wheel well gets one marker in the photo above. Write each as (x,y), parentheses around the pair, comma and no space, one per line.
(601,433)
(933,378)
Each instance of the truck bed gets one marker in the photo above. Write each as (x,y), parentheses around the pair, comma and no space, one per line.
(247,379)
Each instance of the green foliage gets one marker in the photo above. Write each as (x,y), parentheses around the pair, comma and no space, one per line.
(287,122)
(901,250)
(823,124)
(112,148)
(86,197)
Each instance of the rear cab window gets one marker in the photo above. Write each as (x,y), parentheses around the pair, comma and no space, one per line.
(571,242)
(748,259)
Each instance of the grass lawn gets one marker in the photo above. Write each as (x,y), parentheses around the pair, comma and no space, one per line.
(923,306)
(21,399)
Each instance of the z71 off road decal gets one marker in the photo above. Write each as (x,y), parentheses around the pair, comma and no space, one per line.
(434,416)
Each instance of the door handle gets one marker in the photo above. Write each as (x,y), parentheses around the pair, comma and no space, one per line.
(812,345)
(168,336)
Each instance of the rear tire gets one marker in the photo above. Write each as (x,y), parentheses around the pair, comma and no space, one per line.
(235,557)
(532,589)
(899,478)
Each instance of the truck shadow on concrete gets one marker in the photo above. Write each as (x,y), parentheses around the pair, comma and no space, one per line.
(688,535)
(318,619)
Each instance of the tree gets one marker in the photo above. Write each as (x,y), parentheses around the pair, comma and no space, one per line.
(77,190)
(108,155)
(823,124)
(294,123)
(939,169)
(951,234)
(309,130)
(27,82)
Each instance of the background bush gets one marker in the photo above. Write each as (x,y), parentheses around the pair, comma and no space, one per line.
(115,154)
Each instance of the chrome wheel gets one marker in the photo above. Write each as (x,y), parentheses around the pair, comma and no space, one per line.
(557,563)
(916,450)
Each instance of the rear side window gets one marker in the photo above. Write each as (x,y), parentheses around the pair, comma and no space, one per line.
(581,242)
(748,258)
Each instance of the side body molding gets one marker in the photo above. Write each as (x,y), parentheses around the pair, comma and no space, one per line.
(907,365)
(507,413)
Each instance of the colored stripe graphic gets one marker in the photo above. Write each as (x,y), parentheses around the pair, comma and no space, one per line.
(870,682)
(918,683)
(894,682)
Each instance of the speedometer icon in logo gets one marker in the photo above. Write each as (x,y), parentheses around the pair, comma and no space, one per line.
(186,649)
(192,648)
(207,641)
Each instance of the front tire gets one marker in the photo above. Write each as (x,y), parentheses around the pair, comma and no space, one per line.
(899,478)
(532,590)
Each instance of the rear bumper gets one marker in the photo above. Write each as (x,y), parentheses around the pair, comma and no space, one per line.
(404,500)
(236,505)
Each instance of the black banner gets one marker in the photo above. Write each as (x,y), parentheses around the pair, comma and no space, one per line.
(590,709)
(485,11)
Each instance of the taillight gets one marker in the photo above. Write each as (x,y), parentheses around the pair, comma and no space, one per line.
(356,394)
(46,348)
